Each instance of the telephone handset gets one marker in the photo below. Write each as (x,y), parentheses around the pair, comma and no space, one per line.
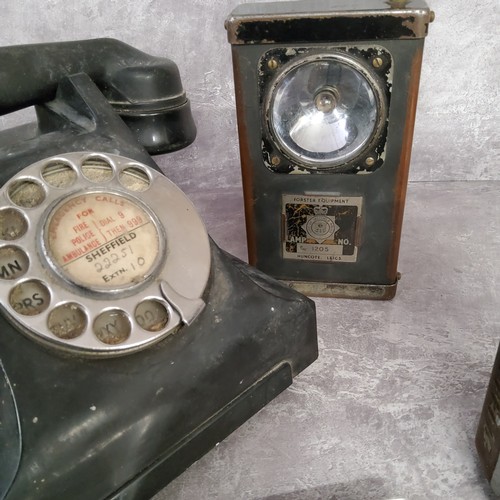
(130,344)
(146,91)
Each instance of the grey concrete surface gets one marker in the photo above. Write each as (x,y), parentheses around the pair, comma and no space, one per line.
(459,94)
(390,408)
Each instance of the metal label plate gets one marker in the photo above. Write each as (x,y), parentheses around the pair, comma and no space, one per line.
(320,228)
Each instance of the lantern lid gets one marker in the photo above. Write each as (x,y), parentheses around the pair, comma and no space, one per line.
(328,21)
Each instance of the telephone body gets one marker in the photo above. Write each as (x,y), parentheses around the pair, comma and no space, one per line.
(130,344)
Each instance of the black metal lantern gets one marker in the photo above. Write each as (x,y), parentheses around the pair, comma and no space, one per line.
(326,95)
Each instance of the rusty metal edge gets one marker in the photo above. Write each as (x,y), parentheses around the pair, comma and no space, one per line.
(401,181)
(344,290)
(245,161)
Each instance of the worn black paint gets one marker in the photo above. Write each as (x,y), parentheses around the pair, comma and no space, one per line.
(315,30)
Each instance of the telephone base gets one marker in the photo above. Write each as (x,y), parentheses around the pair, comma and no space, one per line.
(124,427)
(86,413)
(208,435)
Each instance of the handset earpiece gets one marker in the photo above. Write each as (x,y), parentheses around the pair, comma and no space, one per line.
(146,91)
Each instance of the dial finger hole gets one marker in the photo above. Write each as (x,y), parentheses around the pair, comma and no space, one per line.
(14,262)
(97,170)
(67,321)
(135,179)
(13,224)
(59,174)
(112,327)
(151,315)
(29,298)
(26,193)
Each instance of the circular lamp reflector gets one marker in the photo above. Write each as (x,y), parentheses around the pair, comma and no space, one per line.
(325,110)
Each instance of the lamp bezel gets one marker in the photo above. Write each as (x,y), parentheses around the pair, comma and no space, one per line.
(277,155)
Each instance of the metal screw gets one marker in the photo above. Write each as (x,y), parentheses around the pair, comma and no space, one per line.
(432,16)
(275,160)
(272,63)
(370,161)
(377,62)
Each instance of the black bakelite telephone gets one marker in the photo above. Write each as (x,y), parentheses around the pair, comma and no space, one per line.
(130,344)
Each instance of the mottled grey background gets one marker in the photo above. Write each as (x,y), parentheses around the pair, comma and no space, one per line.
(457,130)
(391,407)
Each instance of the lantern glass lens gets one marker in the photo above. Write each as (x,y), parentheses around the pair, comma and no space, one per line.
(323,111)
